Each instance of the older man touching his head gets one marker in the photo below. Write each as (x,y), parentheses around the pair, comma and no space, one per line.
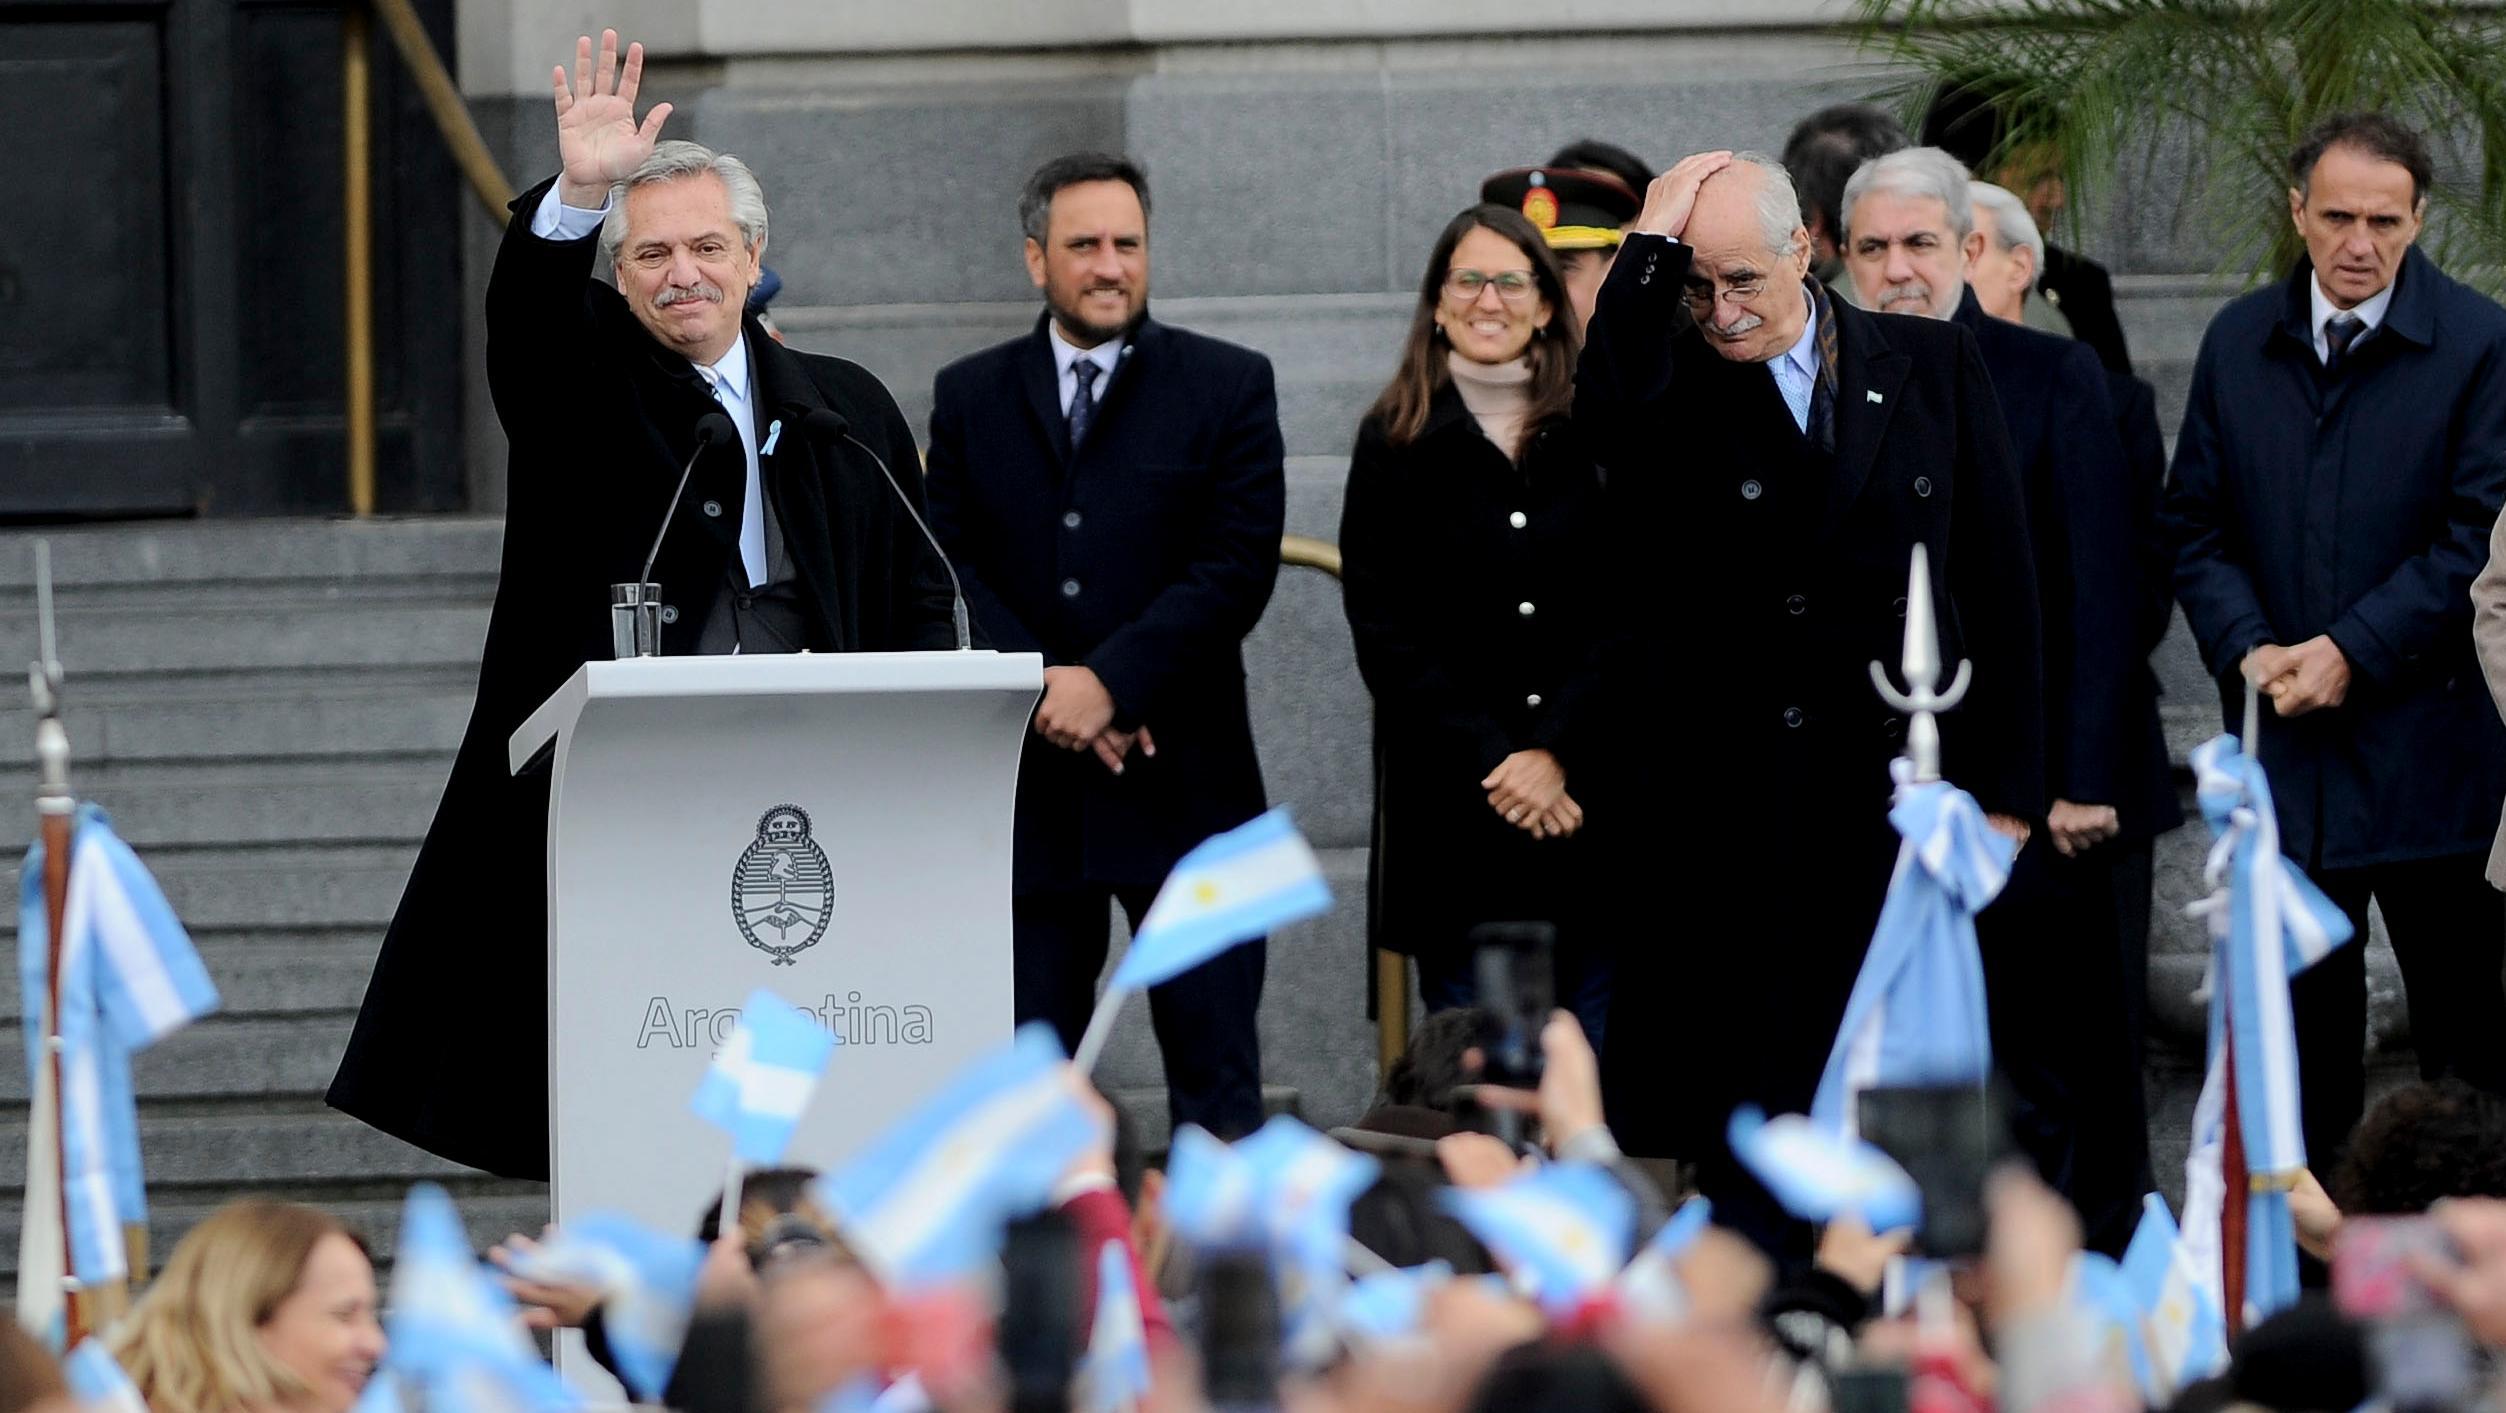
(2052,969)
(1780,454)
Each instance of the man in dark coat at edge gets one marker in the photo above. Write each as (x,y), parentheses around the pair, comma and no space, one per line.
(2342,461)
(1112,489)
(1778,455)
(2053,976)
(600,395)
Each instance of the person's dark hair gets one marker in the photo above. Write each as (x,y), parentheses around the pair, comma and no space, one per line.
(1035,200)
(1978,120)
(1594,155)
(1402,407)
(2379,136)
(1556,1378)
(1824,150)
(779,1217)
(2421,1142)
(1433,1064)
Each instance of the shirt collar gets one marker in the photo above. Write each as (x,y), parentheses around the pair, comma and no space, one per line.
(730,371)
(2370,310)
(1804,354)
(1065,353)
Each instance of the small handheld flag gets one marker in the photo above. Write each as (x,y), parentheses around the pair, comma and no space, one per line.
(764,1076)
(647,1282)
(928,1200)
(1117,1366)
(1650,1286)
(453,1329)
(2185,1338)
(1212,1195)
(1563,1230)
(1230,889)
(1820,1175)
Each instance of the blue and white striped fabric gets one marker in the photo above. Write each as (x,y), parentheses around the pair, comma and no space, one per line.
(2267,923)
(1212,1197)
(2184,1336)
(1230,889)
(1650,1287)
(928,1201)
(763,1077)
(1916,1016)
(2102,1294)
(647,1282)
(454,1331)
(1387,1307)
(97,1381)
(1819,1174)
(129,978)
(1305,1183)
(1563,1231)
(1115,1374)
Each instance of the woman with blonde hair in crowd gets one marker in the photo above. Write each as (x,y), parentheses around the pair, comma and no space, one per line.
(265,1307)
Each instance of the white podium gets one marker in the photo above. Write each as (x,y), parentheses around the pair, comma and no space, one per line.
(834,827)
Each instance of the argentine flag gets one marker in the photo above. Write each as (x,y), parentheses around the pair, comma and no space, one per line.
(1387,1307)
(2184,1336)
(1212,1197)
(98,1381)
(1819,1174)
(1562,1231)
(927,1202)
(1650,1287)
(129,978)
(1231,888)
(763,1076)
(1116,1371)
(647,1284)
(453,1329)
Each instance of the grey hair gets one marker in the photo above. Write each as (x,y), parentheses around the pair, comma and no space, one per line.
(677,161)
(1913,173)
(1779,205)
(2012,225)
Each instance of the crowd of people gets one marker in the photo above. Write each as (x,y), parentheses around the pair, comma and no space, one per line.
(1623,536)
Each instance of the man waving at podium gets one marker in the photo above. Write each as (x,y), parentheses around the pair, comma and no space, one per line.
(786,536)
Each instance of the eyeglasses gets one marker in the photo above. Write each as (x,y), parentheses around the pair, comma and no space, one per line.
(1702,295)
(1513,286)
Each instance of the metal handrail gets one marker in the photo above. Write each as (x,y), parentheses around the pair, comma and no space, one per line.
(1392,970)
(460,132)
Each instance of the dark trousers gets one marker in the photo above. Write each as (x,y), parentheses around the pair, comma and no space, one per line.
(1204,1018)
(1448,981)
(2054,979)
(2448,928)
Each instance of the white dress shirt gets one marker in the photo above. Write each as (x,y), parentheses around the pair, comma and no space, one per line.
(728,376)
(1797,372)
(2370,311)
(1107,356)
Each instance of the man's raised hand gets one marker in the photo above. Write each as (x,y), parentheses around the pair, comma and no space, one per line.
(597,135)
(1673,194)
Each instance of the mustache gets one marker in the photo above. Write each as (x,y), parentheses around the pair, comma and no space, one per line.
(1744,325)
(681,294)
(1916,290)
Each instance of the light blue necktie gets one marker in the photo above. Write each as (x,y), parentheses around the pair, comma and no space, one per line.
(1795,386)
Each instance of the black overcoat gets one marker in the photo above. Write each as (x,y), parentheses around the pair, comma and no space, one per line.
(1773,580)
(600,418)
(2084,292)
(2356,504)
(2145,787)
(1481,603)
(1147,557)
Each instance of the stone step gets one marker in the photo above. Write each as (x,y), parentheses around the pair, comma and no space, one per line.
(491,1210)
(370,712)
(291,626)
(199,555)
(288,1146)
(221,1058)
(258,803)
(310,972)
(236,890)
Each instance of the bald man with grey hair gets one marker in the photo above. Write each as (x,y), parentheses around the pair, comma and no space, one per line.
(1777,455)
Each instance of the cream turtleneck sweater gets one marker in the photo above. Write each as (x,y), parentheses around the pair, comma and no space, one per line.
(1498,394)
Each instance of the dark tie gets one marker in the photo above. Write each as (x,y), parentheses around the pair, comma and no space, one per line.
(1822,428)
(1083,401)
(2339,332)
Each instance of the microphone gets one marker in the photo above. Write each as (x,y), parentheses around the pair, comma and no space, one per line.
(712,430)
(832,425)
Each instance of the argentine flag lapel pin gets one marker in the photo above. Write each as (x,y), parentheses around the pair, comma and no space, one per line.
(1871,393)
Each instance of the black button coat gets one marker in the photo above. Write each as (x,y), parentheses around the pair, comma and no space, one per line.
(1147,556)
(600,418)
(1435,574)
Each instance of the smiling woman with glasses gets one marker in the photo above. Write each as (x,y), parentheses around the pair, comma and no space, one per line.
(1473,569)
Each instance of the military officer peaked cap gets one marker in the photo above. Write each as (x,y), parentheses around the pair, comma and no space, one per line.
(1575,209)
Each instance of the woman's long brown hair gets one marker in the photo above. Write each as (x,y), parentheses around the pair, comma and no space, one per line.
(1402,408)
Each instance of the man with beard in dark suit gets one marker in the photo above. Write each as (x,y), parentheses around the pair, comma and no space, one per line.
(1111,489)
(1779,455)
(2053,974)
(779,544)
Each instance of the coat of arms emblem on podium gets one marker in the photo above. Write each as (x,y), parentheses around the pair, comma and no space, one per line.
(782,891)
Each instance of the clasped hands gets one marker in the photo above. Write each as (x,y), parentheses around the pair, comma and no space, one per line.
(1077,714)
(1528,791)
(2308,677)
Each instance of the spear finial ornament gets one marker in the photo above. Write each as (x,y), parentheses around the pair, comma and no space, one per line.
(1921,665)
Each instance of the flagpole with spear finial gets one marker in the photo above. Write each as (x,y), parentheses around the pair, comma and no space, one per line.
(56,810)
(2235,1177)
(1921,664)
